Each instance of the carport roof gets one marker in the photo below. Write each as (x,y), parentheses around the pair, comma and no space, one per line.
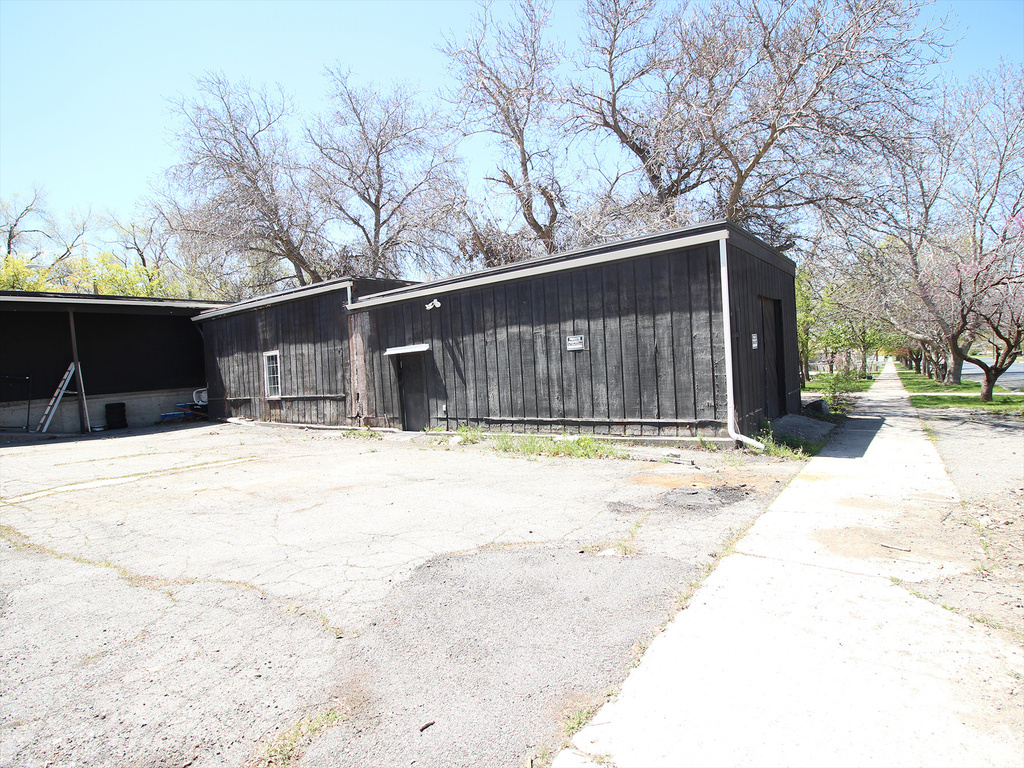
(37,301)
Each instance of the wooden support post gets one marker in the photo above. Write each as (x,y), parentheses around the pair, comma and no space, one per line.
(83,408)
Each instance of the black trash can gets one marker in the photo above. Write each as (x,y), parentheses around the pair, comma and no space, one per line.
(116,418)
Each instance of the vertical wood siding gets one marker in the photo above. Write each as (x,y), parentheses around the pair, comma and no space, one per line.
(311,337)
(653,363)
(755,273)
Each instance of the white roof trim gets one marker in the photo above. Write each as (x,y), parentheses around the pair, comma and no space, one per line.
(406,349)
(441,287)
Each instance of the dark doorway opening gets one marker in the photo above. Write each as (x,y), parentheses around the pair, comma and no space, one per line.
(411,372)
(772,358)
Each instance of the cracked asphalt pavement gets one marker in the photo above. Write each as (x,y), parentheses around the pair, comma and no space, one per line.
(229,595)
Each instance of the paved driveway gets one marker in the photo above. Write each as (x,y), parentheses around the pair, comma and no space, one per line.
(222,594)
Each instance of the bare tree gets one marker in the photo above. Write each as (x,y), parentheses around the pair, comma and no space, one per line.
(240,196)
(23,222)
(487,242)
(506,86)
(385,173)
(637,94)
(753,109)
(144,239)
(891,241)
(987,207)
(31,229)
(942,240)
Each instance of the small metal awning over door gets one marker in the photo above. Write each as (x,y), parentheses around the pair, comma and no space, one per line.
(406,349)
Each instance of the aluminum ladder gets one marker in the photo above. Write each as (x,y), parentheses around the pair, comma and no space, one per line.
(51,407)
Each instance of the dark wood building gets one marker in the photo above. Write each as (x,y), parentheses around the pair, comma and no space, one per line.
(626,338)
(144,352)
(286,356)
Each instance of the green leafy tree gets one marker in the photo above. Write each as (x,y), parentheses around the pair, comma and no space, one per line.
(18,274)
(806,319)
(108,275)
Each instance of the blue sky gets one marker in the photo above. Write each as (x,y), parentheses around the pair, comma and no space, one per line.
(83,84)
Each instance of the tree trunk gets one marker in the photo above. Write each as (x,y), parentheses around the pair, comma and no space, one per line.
(955,370)
(988,385)
(956,359)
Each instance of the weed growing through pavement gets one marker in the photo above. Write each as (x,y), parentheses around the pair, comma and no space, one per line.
(363,434)
(625,544)
(17,539)
(912,591)
(543,758)
(535,445)
(284,750)
(707,445)
(324,622)
(470,435)
(787,447)
(578,718)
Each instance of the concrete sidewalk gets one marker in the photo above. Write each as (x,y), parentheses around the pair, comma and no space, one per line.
(805,647)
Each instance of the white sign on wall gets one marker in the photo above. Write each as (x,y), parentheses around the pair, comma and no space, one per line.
(575,343)
(753,341)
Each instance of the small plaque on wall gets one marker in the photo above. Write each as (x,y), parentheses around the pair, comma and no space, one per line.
(575,343)
(753,341)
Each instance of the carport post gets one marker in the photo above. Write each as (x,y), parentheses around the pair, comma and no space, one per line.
(83,409)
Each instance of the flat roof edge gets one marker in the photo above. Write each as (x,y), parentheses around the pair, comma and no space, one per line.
(622,249)
(279,297)
(91,300)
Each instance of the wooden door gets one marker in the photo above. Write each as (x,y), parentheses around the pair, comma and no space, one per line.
(412,391)
(772,357)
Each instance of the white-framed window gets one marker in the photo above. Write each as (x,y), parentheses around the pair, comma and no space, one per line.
(272,374)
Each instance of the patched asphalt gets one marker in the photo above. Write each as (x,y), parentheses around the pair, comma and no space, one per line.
(199,596)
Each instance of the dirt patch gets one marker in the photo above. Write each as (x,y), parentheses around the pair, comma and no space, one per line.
(917,537)
(984,454)
(981,538)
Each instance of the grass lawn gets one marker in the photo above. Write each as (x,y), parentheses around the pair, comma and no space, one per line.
(916,382)
(820,383)
(999,403)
